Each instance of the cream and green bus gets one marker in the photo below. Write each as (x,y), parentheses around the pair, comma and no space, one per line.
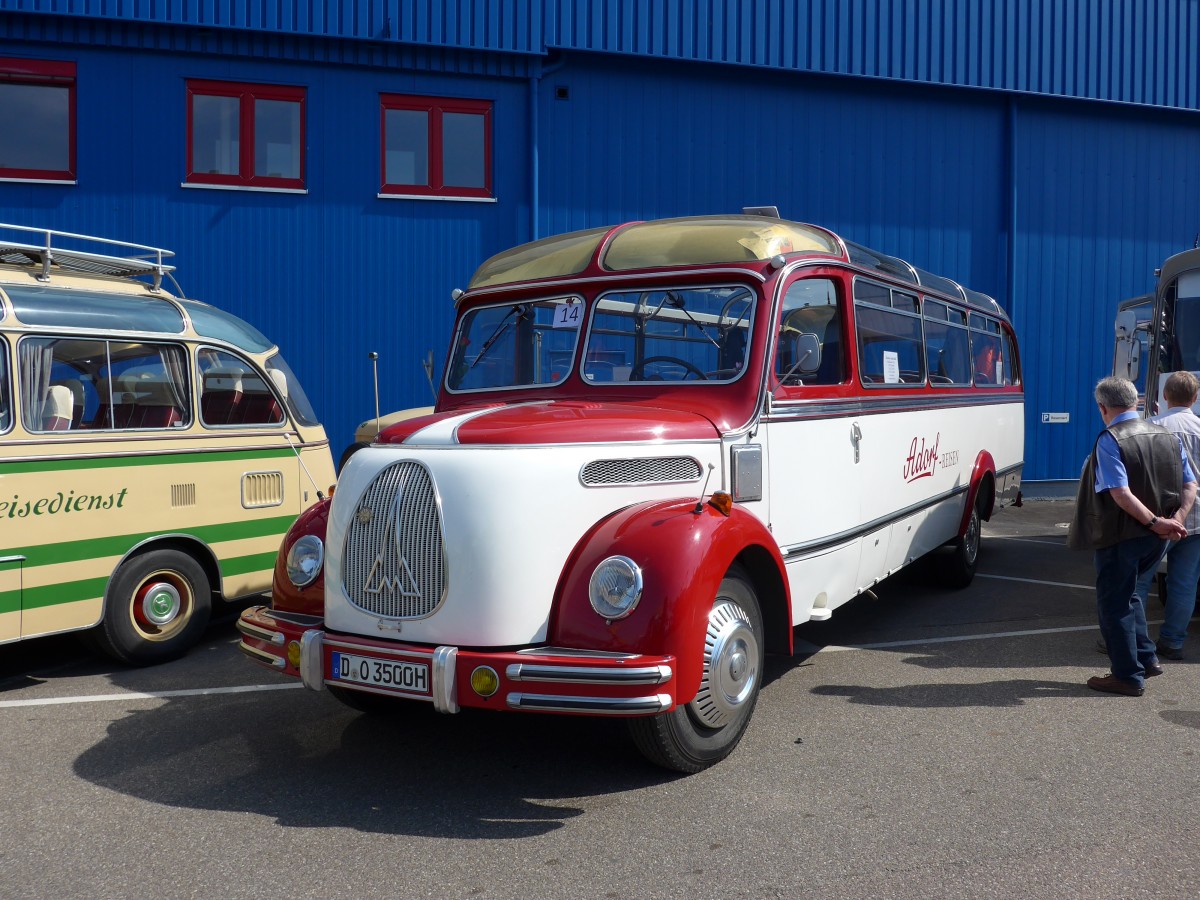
(153,449)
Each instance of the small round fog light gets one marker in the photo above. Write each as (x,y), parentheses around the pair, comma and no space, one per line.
(293,654)
(485,681)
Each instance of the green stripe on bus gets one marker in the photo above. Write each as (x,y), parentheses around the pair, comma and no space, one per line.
(240,565)
(10,601)
(67,592)
(119,545)
(143,459)
(91,588)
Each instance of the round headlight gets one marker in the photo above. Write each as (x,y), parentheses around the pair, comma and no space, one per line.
(616,587)
(304,559)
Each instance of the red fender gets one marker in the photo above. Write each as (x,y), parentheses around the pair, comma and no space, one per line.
(309,599)
(683,556)
(984,465)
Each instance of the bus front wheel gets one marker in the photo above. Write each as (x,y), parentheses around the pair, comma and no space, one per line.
(698,734)
(158,605)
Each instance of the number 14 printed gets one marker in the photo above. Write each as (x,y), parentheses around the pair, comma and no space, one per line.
(568,314)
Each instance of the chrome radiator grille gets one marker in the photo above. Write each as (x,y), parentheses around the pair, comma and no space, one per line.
(393,564)
(640,471)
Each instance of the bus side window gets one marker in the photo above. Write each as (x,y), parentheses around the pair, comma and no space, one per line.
(53,371)
(5,392)
(946,344)
(810,306)
(890,344)
(1011,371)
(232,393)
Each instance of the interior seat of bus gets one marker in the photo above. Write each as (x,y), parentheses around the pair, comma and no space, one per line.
(75,386)
(57,410)
(221,395)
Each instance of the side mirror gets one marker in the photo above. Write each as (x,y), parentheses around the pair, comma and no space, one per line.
(799,354)
(807,353)
(1127,351)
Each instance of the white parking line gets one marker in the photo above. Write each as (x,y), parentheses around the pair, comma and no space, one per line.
(801,647)
(1082,587)
(151,695)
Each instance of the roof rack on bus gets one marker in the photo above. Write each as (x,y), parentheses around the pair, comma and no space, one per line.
(47,254)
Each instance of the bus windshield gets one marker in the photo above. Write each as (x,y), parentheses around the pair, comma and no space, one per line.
(1184,347)
(683,334)
(515,345)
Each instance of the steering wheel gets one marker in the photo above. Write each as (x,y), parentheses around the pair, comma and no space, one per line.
(638,373)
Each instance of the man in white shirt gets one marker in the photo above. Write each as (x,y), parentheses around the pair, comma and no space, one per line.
(1183,556)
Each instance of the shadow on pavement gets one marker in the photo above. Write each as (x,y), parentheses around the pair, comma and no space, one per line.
(305,761)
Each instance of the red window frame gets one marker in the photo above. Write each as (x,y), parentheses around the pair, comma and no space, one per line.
(435,107)
(52,74)
(246,94)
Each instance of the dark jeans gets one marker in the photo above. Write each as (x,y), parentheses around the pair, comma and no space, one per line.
(1122,615)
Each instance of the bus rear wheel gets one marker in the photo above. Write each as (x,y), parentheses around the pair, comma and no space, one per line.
(696,735)
(964,556)
(158,605)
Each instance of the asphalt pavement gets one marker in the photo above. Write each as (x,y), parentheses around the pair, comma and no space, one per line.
(924,742)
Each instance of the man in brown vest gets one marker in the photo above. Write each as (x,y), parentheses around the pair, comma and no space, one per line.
(1134,495)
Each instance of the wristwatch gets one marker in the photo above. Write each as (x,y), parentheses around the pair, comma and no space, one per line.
(1152,522)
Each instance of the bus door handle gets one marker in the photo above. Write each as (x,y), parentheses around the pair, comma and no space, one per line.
(855,439)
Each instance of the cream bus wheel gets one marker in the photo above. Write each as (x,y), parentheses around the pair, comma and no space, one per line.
(696,735)
(157,607)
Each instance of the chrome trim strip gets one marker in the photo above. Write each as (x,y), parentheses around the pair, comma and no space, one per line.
(582,654)
(652,279)
(791,410)
(444,672)
(275,662)
(831,541)
(256,631)
(588,674)
(291,618)
(312,660)
(611,706)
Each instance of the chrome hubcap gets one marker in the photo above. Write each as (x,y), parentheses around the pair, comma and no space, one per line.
(731,666)
(161,603)
(971,539)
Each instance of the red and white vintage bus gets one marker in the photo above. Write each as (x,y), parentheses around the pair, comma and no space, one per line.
(656,449)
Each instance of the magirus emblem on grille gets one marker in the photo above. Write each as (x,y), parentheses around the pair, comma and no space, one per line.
(395,576)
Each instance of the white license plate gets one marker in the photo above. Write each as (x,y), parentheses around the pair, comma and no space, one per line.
(409,677)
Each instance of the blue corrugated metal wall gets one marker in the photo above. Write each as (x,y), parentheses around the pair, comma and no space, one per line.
(1106,195)
(1134,51)
(898,169)
(1095,195)
(329,275)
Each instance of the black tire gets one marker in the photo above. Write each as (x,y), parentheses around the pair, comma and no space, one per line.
(696,735)
(157,607)
(960,566)
(349,452)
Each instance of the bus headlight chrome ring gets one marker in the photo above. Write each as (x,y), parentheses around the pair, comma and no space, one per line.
(615,587)
(304,560)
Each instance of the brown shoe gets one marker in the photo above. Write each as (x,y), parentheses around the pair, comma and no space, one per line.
(1153,668)
(1111,684)
(1168,652)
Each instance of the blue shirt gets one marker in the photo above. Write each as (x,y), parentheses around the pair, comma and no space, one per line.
(1110,468)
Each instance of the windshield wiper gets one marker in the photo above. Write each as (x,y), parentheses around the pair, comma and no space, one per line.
(501,327)
(674,301)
